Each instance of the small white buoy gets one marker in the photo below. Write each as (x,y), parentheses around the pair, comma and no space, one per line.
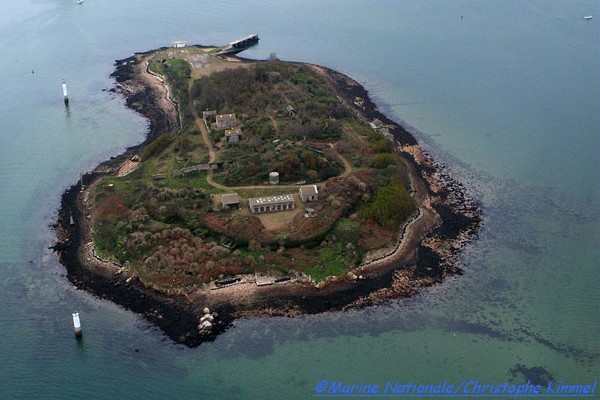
(77,325)
(65,94)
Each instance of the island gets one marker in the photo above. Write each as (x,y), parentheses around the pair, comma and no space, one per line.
(263,187)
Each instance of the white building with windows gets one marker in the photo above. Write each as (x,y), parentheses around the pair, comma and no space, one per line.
(283,202)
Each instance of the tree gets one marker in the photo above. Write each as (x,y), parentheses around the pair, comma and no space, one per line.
(382,146)
(290,167)
(390,207)
(312,175)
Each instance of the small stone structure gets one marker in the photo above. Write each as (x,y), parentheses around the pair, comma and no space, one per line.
(233,135)
(385,132)
(309,193)
(375,124)
(206,114)
(282,202)
(226,121)
(195,168)
(230,199)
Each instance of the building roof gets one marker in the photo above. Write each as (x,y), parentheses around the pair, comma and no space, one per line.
(225,117)
(230,198)
(280,199)
(308,190)
(375,124)
(233,132)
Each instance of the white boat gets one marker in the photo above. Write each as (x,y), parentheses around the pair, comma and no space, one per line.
(588,17)
(79,1)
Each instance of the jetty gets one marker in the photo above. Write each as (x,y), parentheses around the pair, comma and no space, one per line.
(240,45)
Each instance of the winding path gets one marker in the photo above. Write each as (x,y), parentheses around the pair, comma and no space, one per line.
(413,231)
(212,157)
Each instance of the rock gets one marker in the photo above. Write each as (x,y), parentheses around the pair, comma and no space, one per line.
(206,317)
(205,326)
(351,276)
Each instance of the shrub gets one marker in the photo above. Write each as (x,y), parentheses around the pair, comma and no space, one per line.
(390,207)
(154,148)
(381,161)
(382,146)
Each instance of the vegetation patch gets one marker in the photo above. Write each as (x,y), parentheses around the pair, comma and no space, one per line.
(164,221)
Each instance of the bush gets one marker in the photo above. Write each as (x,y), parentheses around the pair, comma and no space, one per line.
(381,161)
(390,207)
(154,148)
(382,146)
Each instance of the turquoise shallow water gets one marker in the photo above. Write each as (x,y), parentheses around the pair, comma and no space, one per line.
(507,97)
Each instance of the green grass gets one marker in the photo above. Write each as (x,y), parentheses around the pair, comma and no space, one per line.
(108,236)
(178,73)
(332,262)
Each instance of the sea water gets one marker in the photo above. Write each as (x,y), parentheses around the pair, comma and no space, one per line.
(505,94)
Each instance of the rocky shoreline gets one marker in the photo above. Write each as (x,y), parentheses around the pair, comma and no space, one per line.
(447,220)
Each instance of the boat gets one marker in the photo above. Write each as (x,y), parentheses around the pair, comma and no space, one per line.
(79,1)
(588,17)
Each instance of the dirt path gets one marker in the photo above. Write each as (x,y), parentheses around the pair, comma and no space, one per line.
(275,125)
(348,128)
(164,98)
(209,179)
(212,157)
(347,165)
(206,138)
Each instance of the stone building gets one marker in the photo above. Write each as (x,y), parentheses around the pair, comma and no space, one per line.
(282,202)
(230,200)
(233,135)
(309,193)
(226,121)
